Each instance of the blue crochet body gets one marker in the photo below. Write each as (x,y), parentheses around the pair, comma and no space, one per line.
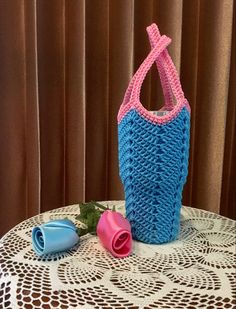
(153,163)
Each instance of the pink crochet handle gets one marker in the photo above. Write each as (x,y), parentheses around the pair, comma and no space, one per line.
(154,35)
(168,74)
(162,43)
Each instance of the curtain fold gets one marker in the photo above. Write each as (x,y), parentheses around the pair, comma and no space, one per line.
(65,66)
(210,102)
(31,112)
(52,100)
(228,196)
(75,130)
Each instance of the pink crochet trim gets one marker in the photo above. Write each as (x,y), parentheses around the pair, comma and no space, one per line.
(149,116)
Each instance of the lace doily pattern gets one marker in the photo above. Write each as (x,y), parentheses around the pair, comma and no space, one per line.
(195,271)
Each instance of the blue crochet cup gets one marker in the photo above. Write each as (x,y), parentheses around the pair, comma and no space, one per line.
(154,150)
(54,236)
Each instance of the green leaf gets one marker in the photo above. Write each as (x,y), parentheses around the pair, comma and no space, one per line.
(99,205)
(82,232)
(90,214)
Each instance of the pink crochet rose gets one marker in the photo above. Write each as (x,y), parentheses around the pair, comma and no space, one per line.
(114,232)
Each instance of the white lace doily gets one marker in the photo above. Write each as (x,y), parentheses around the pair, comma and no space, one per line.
(195,271)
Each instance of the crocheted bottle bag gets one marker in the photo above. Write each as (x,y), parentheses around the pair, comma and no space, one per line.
(154,149)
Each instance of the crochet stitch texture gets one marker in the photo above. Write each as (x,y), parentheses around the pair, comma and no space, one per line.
(153,153)
(153,168)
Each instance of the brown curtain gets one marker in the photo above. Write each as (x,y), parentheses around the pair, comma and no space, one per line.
(64,67)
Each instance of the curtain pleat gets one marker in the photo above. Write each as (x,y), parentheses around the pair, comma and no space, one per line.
(143,16)
(97,72)
(19,130)
(163,11)
(75,107)
(189,77)
(228,192)
(168,14)
(64,68)
(51,88)
(32,129)
(121,69)
(215,31)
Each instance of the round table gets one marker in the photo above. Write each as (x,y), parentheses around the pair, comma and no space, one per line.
(195,271)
